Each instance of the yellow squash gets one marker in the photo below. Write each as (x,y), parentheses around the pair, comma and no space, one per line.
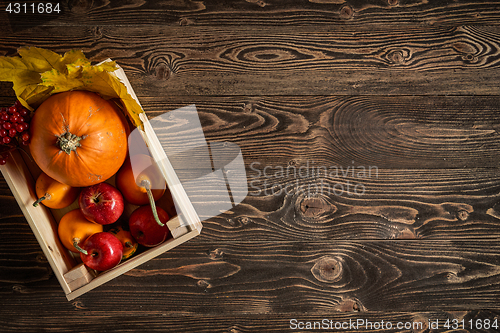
(54,194)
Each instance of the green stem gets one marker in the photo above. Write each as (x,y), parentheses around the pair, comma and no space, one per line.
(47,196)
(129,245)
(35,204)
(76,240)
(147,185)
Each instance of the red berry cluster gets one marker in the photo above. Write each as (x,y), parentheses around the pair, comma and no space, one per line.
(14,123)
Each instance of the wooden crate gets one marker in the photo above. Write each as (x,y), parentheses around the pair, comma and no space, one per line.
(75,278)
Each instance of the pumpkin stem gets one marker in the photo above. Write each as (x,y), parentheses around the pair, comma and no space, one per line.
(45,197)
(147,185)
(76,240)
(129,245)
(68,142)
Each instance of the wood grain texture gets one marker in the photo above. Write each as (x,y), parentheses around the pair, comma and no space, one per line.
(449,133)
(409,87)
(387,132)
(264,12)
(200,278)
(358,167)
(321,168)
(418,321)
(308,61)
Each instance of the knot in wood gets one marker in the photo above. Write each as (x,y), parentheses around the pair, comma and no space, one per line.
(41,258)
(349,305)
(96,32)
(244,220)
(327,269)
(393,2)
(162,72)
(405,234)
(346,12)
(259,3)
(80,6)
(463,215)
(203,284)
(17,288)
(469,58)
(216,254)
(398,57)
(314,206)
(79,305)
(185,21)
(249,108)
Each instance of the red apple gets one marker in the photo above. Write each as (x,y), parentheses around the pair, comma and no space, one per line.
(144,227)
(101,203)
(104,251)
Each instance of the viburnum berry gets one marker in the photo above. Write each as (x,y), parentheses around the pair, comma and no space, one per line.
(20,127)
(23,112)
(25,137)
(14,124)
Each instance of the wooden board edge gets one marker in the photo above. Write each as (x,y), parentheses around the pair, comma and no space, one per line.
(14,172)
(174,184)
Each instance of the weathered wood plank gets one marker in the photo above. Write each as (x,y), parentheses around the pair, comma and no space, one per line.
(357,167)
(415,322)
(180,61)
(383,132)
(259,12)
(397,204)
(409,132)
(201,278)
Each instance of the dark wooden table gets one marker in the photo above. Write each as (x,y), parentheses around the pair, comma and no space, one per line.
(396,103)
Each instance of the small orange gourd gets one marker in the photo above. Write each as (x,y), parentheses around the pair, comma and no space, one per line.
(78,138)
(74,229)
(54,194)
(130,245)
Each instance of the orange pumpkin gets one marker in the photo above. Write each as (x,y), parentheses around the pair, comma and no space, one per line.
(78,138)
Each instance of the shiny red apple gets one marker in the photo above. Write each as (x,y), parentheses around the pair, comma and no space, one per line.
(103,251)
(101,203)
(144,227)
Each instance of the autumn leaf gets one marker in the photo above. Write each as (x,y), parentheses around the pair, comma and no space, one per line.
(100,79)
(39,73)
(40,60)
